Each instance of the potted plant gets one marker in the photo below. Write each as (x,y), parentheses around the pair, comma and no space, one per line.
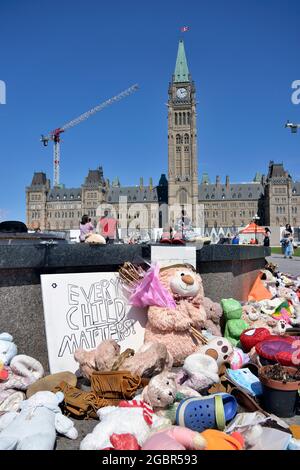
(280,389)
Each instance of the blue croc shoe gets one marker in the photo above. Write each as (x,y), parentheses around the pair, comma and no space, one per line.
(211,412)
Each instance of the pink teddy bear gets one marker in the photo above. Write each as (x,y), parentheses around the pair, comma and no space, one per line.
(172,326)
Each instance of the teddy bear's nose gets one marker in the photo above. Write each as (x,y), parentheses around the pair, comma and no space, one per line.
(187,279)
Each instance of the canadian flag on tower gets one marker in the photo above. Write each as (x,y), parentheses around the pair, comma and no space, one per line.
(184,29)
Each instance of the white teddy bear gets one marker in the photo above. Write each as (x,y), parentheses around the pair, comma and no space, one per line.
(8,349)
(35,427)
(132,417)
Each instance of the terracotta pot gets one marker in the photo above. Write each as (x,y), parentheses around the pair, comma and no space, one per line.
(279,398)
(278,384)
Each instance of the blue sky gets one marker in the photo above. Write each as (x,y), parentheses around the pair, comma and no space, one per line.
(62,57)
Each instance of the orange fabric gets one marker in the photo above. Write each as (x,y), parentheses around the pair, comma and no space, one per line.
(253,228)
(218,440)
(295,428)
(259,291)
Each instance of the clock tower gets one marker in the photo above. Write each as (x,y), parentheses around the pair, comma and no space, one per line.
(182,142)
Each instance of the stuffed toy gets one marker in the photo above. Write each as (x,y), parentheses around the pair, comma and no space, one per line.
(214,313)
(218,348)
(22,372)
(8,349)
(175,438)
(199,372)
(100,359)
(10,400)
(255,318)
(130,417)
(163,390)
(35,427)
(249,338)
(235,325)
(95,239)
(150,359)
(173,326)
(123,442)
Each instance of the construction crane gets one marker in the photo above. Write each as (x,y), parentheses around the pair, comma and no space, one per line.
(55,135)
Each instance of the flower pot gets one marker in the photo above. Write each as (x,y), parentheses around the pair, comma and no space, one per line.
(279,397)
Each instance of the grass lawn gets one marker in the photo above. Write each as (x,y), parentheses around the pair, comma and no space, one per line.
(277,250)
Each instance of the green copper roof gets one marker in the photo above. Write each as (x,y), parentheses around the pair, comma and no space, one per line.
(257,177)
(181,73)
(205,179)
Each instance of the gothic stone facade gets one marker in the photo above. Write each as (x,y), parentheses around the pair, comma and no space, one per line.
(275,198)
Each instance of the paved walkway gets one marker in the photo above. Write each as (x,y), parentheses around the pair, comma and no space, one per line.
(290,266)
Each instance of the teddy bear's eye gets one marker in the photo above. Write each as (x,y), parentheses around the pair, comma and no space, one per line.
(168,383)
(182,274)
(158,398)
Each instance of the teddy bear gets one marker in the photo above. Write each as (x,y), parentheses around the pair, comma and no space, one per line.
(100,359)
(173,326)
(214,313)
(255,318)
(199,371)
(235,325)
(129,417)
(35,426)
(149,360)
(8,349)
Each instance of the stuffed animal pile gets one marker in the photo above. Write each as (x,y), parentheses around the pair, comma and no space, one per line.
(179,391)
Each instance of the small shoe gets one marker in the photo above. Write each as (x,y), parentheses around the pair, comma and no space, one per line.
(51,381)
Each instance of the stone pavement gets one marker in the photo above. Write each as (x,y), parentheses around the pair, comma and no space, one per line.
(290,266)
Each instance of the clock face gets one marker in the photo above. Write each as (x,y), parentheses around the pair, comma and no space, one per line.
(181,93)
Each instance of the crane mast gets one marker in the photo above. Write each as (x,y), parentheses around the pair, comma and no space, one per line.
(55,135)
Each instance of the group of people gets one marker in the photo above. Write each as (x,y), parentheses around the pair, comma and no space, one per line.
(107,227)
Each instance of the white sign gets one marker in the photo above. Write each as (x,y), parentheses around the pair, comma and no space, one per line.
(83,309)
(167,255)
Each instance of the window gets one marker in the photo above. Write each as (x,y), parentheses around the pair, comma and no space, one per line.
(250,195)
(176,119)
(178,139)
(57,197)
(239,196)
(180,119)
(188,118)
(186,139)
(178,149)
(233,196)
(182,196)
(186,148)
(183,119)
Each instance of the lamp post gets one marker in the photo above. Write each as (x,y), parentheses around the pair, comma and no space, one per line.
(255,218)
(294,127)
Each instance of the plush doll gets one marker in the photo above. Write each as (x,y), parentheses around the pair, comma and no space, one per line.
(150,359)
(199,371)
(22,372)
(8,349)
(255,318)
(100,359)
(130,417)
(235,325)
(218,348)
(163,390)
(10,400)
(172,326)
(214,313)
(175,438)
(35,427)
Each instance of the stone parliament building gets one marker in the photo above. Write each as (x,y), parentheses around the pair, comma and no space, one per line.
(274,197)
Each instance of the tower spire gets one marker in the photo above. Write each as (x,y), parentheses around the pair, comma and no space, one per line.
(181,73)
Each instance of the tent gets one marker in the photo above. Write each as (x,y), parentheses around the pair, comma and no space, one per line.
(252,228)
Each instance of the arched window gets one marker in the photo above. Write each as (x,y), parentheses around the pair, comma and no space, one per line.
(183,119)
(176,119)
(180,119)
(188,118)
(239,196)
(178,139)
(186,139)
(182,196)
(233,196)
(250,196)
(280,210)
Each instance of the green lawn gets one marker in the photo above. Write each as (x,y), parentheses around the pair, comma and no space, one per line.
(277,250)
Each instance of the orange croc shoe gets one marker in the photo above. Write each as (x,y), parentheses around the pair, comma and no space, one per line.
(218,440)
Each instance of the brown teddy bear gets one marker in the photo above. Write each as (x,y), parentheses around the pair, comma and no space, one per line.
(172,326)
(214,313)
